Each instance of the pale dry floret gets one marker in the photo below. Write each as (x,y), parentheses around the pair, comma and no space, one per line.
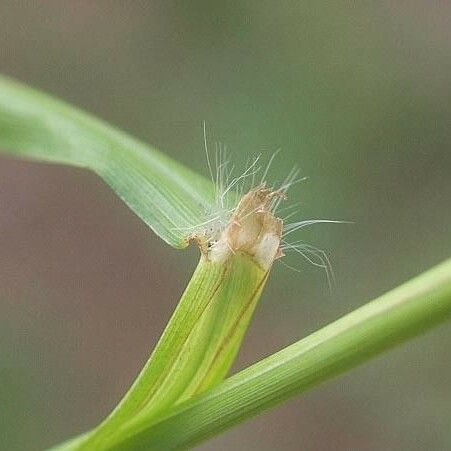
(253,229)
(244,216)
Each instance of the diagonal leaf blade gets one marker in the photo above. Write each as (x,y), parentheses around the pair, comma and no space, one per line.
(393,318)
(167,196)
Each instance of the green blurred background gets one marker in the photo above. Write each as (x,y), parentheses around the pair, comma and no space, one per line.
(357,94)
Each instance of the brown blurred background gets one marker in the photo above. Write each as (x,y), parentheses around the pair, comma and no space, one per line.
(355,93)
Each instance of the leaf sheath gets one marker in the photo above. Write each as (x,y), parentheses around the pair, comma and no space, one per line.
(197,347)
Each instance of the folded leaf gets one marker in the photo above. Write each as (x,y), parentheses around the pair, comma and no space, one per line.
(205,332)
(168,197)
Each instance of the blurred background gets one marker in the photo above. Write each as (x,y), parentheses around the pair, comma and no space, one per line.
(357,94)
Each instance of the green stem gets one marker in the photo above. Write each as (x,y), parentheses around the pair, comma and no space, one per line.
(389,320)
(197,347)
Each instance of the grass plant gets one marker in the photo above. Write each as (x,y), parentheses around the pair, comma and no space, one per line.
(182,395)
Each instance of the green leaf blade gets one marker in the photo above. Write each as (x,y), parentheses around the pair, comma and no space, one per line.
(168,197)
(400,314)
